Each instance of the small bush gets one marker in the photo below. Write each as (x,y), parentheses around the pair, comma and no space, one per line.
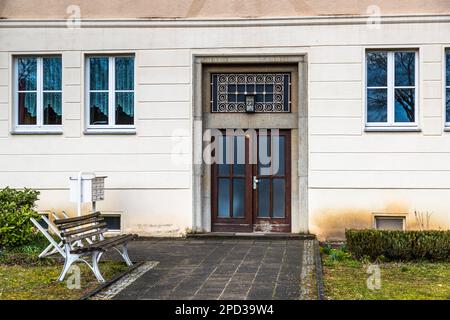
(16,209)
(399,245)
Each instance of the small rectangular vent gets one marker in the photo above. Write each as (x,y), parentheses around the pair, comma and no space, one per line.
(389,223)
(113,222)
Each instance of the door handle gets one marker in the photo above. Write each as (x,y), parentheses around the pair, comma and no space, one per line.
(255,182)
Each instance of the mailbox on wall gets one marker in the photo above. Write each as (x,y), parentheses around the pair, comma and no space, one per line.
(87,188)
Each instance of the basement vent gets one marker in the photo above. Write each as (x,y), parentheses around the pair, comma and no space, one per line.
(389,223)
(113,222)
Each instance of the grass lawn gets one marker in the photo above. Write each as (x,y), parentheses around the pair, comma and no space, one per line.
(24,276)
(345,279)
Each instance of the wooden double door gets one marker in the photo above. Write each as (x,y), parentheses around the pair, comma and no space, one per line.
(251,181)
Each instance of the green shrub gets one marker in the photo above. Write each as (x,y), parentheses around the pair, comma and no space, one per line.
(16,209)
(399,245)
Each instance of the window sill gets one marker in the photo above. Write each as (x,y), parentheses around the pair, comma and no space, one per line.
(109,131)
(36,132)
(446,129)
(392,129)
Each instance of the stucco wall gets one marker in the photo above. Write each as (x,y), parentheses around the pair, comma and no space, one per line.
(57,9)
(352,172)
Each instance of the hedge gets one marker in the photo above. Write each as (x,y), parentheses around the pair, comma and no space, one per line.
(16,209)
(399,245)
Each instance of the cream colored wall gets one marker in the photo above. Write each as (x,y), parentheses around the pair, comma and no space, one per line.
(146,171)
(349,168)
(151,9)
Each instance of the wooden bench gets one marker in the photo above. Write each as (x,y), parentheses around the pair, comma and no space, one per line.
(83,237)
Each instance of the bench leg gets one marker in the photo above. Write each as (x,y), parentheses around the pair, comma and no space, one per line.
(70,259)
(95,258)
(123,250)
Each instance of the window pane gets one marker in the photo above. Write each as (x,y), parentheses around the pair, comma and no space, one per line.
(27,73)
(376,69)
(224,198)
(404,105)
(447,72)
(124,107)
(447,105)
(99,108)
(27,108)
(278,198)
(98,73)
(238,198)
(52,108)
(376,105)
(264,198)
(405,68)
(124,73)
(52,73)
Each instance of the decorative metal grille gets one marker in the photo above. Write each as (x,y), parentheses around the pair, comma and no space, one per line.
(271,91)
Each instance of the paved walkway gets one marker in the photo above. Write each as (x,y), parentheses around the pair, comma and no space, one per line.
(223,269)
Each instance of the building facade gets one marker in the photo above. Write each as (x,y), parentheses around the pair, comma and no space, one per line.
(358,94)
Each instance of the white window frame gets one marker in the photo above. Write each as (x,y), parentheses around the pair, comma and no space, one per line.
(446,86)
(391,124)
(111,127)
(39,127)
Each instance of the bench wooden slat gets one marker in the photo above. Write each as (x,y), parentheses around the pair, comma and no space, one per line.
(82,230)
(106,244)
(84,236)
(76,219)
(80,223)
(116,241)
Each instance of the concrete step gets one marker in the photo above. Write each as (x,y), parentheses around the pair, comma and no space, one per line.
(251,235)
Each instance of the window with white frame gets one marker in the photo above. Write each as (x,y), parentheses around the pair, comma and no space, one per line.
(37,93)
(447,88)
(391,88)
(110,92)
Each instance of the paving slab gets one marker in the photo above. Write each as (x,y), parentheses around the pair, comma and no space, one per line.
(223,269)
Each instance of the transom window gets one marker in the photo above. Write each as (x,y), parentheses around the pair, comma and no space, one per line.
(271,91)
(37,96)
(110,91)
(447,88)
(391,95)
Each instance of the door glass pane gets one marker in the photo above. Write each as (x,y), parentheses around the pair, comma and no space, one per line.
(52,73)
(27,108)
(264,153)
(405,68)
(238,198)
(404,105)
(224,198)
(376,105)
(52,108)
(124,107)
(264,198)
(222,157)
(98,73)
(27,73)
(99,108)
(376,69)
(278,161)
(278,198)
(239,156)
(124,73)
